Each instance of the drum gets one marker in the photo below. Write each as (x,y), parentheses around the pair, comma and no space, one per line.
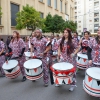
(33,69)
(82,61)
(28,55)
(91,84)
(63,73)
(11,69)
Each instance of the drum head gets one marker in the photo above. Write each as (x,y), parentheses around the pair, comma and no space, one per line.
(62,66)
(82,55)
(94,72)
(28,54)
(11,64)
(32,63)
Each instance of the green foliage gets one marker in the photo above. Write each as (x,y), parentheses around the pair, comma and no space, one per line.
(56,24)
(28,18)
(0,12)
(71,25)
(53,24)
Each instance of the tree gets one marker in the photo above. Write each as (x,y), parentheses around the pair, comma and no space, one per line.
(53,24)
(28,18)
(48,23)
(71,25)
(0,12)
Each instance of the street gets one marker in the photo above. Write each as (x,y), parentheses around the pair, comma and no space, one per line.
(28,90)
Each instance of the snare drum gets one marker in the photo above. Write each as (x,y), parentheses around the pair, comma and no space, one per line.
(33,69)
(28,55)
(11,69)
(63,73)
(91,84)
(82,61)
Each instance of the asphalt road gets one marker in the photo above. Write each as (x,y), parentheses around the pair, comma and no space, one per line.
(28,90)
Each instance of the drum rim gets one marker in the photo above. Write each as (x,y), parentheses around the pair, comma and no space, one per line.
(96,63)
(28,56)
(10,68)
(90,76)
(32,68)
(61,70)
(82,57)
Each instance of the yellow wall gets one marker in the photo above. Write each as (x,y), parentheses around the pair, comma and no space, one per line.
(7,29)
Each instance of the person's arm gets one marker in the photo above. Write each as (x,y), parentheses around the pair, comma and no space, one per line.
(89,50)
(59,52)
(47,49)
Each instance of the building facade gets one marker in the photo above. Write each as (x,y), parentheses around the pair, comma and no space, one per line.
(87,15)
(64,8)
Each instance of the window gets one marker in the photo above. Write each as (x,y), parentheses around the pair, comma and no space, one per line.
(96,25)
(55,4)
(65,8)
(14,11)
(96,4)
(79,31)
(41,0)
(96,14)
(61,5)
(90,20)
(41,15)
(79,21)
(79,26)
(90,30)
(96,20)
(49,2)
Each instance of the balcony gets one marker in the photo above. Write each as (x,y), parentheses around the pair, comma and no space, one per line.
(96,4)
(96,15)
(96,1)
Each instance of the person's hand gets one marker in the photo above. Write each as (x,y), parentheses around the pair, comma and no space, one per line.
(7,62)
(31,55)
(41,54)
(90,62)
(72,55)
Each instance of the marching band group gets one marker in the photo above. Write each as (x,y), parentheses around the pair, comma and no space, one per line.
(66,47)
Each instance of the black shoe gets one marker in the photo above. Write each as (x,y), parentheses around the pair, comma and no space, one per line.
(34,81)
(24,79)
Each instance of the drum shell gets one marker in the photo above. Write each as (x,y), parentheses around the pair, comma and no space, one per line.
(91,86)
(33,73)
(82,63)
(63,79)
(12,73)
(63,76)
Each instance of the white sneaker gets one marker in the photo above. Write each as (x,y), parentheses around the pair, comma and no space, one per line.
(72,88)
(57,85)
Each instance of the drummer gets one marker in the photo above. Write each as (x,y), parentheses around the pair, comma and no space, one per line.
(38,45)
(95,50)
(85,45)
(85,42)
(27,47)
(17,46)
(2,57)
(66,52)
(75,38)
